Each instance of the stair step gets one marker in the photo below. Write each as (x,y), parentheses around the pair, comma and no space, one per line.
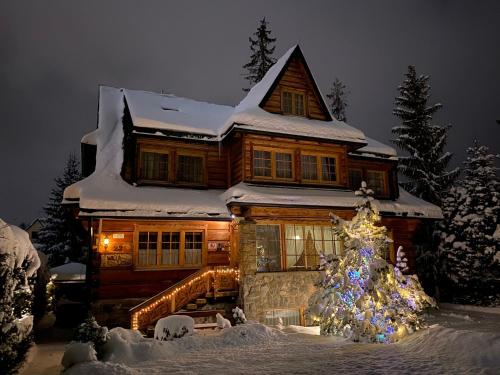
(191,306)
(200,313)
(201,301)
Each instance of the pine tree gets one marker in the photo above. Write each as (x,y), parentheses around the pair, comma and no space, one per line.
(60,236)
(338,100)
(468,244)
(362,296)
(262,50)
(425,166)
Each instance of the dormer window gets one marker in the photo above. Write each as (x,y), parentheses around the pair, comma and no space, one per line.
(293,103)
(154,166)
(190,169)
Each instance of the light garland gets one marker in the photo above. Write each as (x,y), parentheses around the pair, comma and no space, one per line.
(170,296)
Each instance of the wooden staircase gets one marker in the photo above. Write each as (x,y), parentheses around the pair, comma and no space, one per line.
(207,282)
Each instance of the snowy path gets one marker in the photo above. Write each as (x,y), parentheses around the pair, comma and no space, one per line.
(458,343)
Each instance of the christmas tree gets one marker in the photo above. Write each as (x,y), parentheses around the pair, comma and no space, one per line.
(60,237)
(262,50)
(338,100)
(468,244)
(425,165)
(362,296)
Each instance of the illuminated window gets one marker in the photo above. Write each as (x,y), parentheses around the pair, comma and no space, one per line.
(284,317)
(375,180)
(190,169)
(170,245)
(192,247)
(268,248)
(305,243)
(262,163)
(319,168)
(154,166)
(147,249)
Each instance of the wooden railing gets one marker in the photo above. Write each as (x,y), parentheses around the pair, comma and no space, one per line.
(206,281)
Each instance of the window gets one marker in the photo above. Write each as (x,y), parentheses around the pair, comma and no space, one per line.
(154,166)
(305,243)
(192,248)
(147,249)
(319,168)
(355,178)
(190,169)
(170,248)
(293,103)
(272,164)
(284,317)
(309,167)
(283,165)
(375,180)
(170,245)
(328,170)
(268,248)
(262,163)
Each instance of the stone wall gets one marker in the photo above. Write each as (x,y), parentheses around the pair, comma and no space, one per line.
(264,291)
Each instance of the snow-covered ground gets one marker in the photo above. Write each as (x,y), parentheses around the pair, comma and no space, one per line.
(457,342)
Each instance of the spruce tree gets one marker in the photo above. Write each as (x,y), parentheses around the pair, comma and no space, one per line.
(338,100)
(261,60)
(362,296)
(425,165)
(60,236)
(468,244)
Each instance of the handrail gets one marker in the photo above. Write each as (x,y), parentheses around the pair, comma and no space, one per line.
(177,295)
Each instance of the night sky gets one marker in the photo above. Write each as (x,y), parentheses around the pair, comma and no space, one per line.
(55,53)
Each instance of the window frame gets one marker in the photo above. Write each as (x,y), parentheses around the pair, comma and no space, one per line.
(349,177)
(283,251)
(384,181)
(294,106)
(273,152)
(319,171)
(182,230)
(148,149)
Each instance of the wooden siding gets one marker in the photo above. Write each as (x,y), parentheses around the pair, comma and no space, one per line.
(235,159)
(129,281)
(296,78)
(295,146)
(216,171)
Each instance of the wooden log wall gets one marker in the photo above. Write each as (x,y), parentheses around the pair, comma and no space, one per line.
(296,78)
(116,274)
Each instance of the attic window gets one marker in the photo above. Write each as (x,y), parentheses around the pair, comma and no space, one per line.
(293,103)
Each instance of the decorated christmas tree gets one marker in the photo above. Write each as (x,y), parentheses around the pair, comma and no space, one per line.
(362,296)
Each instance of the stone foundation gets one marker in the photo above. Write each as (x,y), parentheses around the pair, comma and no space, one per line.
(265,291)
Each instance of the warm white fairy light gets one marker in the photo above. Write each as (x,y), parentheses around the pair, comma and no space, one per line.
(206,275)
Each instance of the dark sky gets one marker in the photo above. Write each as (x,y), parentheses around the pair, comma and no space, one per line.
(55,53)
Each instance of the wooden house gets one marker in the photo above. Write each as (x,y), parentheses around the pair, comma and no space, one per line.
(185,198)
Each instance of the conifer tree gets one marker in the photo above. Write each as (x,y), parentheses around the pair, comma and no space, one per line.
(468,244)
(60,236)
(362,296)
(261,60)
(425,165)
(338,100)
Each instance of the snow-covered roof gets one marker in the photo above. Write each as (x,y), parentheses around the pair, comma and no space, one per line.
(406,205)
(105,190)
(376,149)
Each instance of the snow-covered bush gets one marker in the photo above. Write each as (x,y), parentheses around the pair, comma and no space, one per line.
(77,352)
(239,316)
(222,322)
(91,332)
(173,327)
(18,264)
